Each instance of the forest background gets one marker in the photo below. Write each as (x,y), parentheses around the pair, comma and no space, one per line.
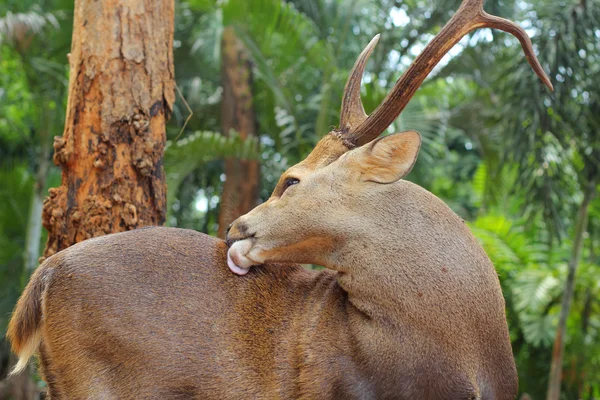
(520,164)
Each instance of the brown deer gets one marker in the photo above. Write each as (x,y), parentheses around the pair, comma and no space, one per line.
(409,306)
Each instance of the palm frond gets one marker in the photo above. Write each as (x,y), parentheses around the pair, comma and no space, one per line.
(17,28)
(538,330)
(534,289)
(501,240)
(187,155)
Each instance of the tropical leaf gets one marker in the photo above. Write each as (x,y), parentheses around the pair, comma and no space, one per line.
(17,28)
(534,289)
(188,154)
(502,241)
(539,330)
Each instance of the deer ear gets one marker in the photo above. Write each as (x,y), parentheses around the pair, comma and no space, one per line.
(389,158)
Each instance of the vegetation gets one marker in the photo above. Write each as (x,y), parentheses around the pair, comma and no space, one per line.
(520,164)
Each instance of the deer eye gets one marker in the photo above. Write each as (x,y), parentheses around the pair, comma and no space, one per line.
(289,182)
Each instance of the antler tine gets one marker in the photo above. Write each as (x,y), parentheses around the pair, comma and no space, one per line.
(353,113)
(469,16)
(491,21)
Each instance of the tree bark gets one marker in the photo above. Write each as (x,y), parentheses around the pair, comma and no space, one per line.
(240,189)
(555,378)
(121,93)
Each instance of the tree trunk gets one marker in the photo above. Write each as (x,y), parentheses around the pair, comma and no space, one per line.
(585,321)
(240,189)
(121,93)
(555,378)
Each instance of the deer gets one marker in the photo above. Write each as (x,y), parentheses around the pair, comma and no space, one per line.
(408,306)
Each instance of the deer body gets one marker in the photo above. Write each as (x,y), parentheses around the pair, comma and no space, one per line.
(155,314)
(183,326)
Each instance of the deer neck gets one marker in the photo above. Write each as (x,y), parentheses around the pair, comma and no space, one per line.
(407,257)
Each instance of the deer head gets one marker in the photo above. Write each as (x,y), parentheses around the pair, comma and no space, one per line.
(335,192)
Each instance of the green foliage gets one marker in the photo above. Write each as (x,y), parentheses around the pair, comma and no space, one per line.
(292,77)
(17,28)
(15,195)
(190,153)
(16,100)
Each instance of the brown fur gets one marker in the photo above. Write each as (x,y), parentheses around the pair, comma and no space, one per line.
(28,309)
(155,313)
(410,306)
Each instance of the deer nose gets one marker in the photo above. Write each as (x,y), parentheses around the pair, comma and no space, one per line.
(237,230)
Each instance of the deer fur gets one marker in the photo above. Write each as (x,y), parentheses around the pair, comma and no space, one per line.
(409,306)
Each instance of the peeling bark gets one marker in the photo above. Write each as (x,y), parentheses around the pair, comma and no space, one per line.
(240,190)
(121,93)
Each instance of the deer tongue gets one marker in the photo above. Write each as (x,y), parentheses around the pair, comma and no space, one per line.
(237,261)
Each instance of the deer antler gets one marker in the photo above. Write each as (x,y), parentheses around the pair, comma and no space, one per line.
(353,113)
(356,128)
